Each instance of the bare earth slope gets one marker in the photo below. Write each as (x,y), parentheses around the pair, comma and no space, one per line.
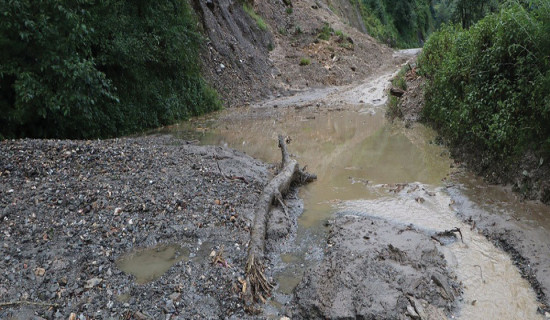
(245,63)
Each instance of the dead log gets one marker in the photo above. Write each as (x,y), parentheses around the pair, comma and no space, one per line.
(259,286)
(398,92)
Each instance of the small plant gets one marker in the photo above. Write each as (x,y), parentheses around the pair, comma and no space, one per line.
(305,61)
(283,31)
(340,33)
(259,21)
(270,46)
(326,32)
(289,10)
(399,81)
(394,109)
(298,30)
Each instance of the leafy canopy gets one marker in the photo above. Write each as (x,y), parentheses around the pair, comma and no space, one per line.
(97,68)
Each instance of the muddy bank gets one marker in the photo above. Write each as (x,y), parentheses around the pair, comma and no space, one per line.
(375,270)
(521,184)
(520,229)
(72,208)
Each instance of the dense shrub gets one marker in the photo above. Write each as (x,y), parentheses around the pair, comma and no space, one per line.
(489,86)
(97,68)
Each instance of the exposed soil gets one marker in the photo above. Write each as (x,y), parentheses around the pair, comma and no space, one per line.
(70,209)
(374,270)
(246,64)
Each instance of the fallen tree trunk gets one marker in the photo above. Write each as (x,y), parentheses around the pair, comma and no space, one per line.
(274,191)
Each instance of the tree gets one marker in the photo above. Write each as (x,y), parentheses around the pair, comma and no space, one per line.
(97,68)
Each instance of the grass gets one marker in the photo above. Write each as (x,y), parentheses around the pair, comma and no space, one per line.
(305,61)
(259,21)
(326,32)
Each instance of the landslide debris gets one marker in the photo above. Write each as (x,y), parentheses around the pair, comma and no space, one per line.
(373,269)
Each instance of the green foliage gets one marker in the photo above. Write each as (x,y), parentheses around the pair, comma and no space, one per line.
(398,23)
(399,80)
(91,68)
(464,12)
(259,21)
(393,110)
(489,86)
(305,61)
(326,32)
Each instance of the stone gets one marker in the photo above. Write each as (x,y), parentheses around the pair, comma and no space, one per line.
(39,272)
(92,283)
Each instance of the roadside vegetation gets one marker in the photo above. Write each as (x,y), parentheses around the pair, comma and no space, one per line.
(407,24)
(488,87)
(83,69)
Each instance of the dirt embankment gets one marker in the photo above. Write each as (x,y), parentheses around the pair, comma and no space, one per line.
(529,177)
(247,61)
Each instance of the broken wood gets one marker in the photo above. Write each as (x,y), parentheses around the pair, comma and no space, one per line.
(447,233)
(274,191)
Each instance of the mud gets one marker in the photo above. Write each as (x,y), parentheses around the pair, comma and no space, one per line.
(374,270)
(520,228)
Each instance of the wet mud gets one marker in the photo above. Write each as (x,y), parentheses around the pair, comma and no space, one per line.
(373,269)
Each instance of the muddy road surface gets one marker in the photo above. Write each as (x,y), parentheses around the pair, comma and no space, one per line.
(157,227)
(374,172)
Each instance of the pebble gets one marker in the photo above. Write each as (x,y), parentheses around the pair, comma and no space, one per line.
(39,272)
(92,283)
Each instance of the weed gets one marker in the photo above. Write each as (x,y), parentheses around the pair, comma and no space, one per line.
(259,21)
(326,32)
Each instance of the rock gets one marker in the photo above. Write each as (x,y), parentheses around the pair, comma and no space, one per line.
(140,316)
(92,283)
(175,296)
(412,313)
(169,307)
(39,272)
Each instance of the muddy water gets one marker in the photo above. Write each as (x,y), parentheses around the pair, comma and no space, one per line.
(149,264)
(342,136)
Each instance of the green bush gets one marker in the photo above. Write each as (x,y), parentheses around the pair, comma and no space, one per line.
(86,68)
(489,86)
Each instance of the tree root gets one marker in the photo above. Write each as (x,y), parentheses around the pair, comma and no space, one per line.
(258,287)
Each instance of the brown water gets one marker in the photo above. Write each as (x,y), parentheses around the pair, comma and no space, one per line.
(343,137)
(150,264)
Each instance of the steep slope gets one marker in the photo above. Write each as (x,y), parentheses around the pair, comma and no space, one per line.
(282,47)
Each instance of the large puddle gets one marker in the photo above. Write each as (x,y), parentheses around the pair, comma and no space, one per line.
(358,156)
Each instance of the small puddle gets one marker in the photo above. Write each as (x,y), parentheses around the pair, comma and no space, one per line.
(150,264)
(356,153)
